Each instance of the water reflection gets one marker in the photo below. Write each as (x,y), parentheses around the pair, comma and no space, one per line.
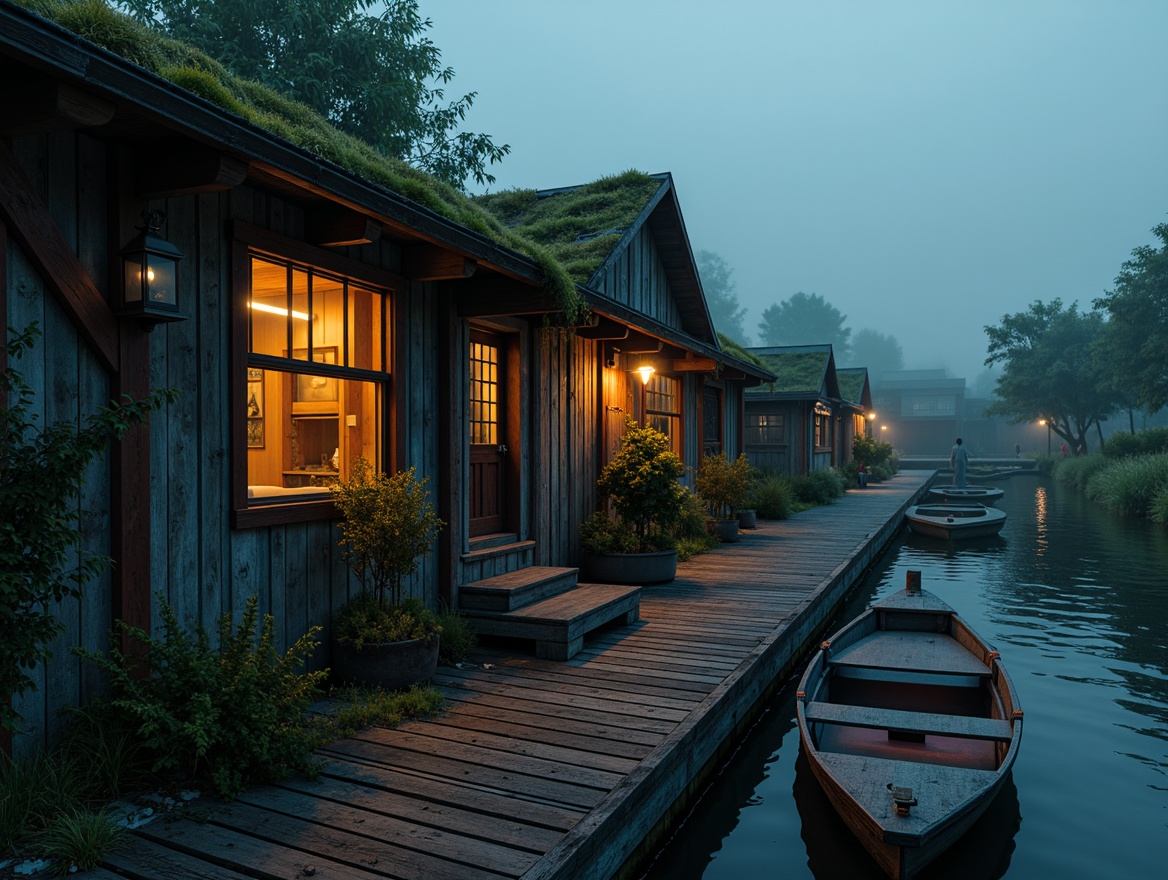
(1076,600)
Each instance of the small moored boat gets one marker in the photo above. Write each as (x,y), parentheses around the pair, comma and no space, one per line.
(910,725)
(955,521)
(987,495)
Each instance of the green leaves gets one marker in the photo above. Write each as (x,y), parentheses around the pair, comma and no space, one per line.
(232,712)
(41,560)
(389,525)
(642,482)
(375,76)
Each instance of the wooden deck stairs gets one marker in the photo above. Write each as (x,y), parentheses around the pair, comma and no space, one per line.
(544,603)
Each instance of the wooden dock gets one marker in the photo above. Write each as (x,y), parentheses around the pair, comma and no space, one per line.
(547,770)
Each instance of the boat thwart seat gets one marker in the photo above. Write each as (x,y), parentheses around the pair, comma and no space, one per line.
(899,721)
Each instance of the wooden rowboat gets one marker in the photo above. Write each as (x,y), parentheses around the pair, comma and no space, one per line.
(910,725)
(955,521)
(987,495)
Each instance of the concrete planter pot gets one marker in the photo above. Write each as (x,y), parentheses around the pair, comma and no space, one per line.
(725,529)
(748,519)
(633,569)
(391,665)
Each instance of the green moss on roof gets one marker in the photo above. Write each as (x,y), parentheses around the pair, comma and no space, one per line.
(794,372)
(578,226)
(851,384)
(732,346)
(190,69)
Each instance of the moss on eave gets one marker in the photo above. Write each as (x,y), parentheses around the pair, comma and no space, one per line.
(579,226)
(851,386)
(298,124)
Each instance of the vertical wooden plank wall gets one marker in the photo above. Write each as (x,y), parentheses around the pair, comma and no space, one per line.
(637,279)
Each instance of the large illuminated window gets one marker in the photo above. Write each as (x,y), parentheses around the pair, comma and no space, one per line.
(316,380)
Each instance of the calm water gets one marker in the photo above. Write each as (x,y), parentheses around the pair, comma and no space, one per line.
(1076,601)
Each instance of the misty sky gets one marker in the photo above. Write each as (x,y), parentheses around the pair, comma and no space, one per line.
(926,167)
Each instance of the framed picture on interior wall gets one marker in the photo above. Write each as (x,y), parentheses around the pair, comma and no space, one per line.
(255,433)
(255,408)
(255,393)
(315,393)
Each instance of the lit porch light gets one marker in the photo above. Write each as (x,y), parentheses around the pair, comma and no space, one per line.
(646,373)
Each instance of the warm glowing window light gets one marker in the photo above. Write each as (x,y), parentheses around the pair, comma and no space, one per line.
(276,310)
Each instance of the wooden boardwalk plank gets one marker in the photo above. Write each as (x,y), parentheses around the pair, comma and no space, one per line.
(546,770)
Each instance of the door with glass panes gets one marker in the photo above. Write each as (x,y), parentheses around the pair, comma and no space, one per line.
(488,449)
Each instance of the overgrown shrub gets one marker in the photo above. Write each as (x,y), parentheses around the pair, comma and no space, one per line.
(818,487)
(1129,485)
(692,536)
(771,496)
(42,561)
(1148,442)
(458,637)
(232,713)
(1158,509)
(1078,470)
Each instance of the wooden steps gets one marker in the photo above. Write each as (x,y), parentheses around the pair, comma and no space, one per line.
(547,605)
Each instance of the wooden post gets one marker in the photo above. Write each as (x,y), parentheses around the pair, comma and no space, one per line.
(912,583)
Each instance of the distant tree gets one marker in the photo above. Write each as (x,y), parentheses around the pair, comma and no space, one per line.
(806,319)
(983,385)
(1049,370)
(879,353)
(722,295)
(1136,345)
(377,77)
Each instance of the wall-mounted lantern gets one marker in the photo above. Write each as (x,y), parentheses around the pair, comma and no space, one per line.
(149,290)
(646,372)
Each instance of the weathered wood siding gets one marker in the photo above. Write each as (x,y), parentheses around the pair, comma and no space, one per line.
(200,564)
(637,279)
(566,407)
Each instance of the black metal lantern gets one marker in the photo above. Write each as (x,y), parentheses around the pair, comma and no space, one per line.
(150,275)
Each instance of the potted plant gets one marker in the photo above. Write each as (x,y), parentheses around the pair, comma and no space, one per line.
(638,546)
(724,484)
(389,525)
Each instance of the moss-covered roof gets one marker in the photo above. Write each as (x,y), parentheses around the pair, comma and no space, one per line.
(851,383)
(296,123)
(798,371)
(579,225)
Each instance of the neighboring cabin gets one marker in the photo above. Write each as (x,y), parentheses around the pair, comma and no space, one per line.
(327,317)
(806,418)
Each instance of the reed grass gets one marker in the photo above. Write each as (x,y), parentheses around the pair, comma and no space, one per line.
(1129,485)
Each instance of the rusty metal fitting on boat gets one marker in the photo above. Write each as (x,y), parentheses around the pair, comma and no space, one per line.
(994,655)
(912,582)
(902,798)
(1017,716)
(800,695)
(825,644)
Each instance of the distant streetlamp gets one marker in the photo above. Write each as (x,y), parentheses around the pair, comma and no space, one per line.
(871,419)
(1047,423)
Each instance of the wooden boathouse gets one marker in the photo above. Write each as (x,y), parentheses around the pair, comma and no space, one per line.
(321,313)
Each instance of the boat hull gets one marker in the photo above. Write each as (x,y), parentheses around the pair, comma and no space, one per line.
(954,522)
(907,695)
(981,494)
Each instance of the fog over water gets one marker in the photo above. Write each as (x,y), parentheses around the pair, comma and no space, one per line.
(926,167)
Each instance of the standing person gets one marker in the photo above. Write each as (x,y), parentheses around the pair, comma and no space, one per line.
(1017,450)
(959,460)
(1063,449)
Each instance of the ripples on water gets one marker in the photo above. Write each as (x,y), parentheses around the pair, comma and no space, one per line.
(1076,600)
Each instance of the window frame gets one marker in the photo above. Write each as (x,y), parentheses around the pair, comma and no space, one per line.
(248,241)
(675,417)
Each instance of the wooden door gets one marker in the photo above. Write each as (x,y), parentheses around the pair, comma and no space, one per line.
(487,432)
